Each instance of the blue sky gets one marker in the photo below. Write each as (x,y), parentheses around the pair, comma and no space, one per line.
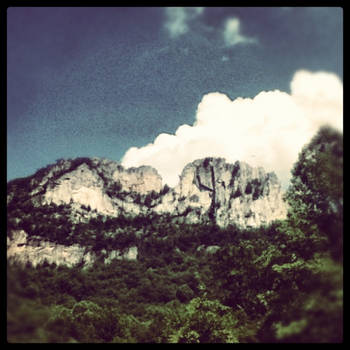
(98,81)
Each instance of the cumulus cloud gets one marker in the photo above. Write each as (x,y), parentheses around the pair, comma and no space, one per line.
(178,19)
(268,130)
(232,33)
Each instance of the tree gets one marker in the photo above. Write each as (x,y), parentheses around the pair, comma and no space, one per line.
(92,323)
(306,304)
(59,324)
(205,321)
(315,195)
(307,300)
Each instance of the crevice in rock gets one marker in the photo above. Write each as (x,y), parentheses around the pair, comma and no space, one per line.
(212,208)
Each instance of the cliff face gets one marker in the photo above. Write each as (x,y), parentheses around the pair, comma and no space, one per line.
(211,189)
(104,186)
(23,249)
(81,186)
(141,180)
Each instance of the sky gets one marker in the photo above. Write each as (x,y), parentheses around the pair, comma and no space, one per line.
(165,86)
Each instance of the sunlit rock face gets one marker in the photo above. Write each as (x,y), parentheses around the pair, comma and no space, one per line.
(98,185)
(225,194)
(209,190)
(83,186)
(23,249)
(140,180)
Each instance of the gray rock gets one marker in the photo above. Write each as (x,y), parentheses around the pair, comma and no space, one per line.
(225,194)
(22,250)
(209,190)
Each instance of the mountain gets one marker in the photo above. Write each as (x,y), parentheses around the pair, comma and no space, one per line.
(100,253)
(208,189)
(48,210)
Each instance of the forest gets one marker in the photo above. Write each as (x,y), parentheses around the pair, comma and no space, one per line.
(191,283)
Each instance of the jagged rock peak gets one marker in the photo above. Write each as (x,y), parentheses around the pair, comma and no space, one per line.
(104,167)
(208,189)
(143,179)
(80,178)
(228,193)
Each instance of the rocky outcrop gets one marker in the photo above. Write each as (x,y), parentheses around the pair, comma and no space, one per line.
(141,180)
(23,249)
(101,185)
(211,249)
(82,186)
(130,253)
(211,189)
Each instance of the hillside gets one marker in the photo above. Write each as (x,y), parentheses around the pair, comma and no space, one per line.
(100,253)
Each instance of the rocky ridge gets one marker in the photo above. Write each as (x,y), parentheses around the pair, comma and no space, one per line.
(224,193)
(210,190)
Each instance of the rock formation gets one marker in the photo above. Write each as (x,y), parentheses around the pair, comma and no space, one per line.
(225,193)
(23,249)
(82,186)
(209,190)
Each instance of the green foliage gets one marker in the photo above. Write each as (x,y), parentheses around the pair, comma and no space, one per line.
(59,324)
(113,189)
(148,200)
(92,323)
(308,305)
(205,321)
(315,195)
(257,287)
(24,320)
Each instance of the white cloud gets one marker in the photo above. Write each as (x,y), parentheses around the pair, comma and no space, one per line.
(268,130)
(232,33)
(178,18)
